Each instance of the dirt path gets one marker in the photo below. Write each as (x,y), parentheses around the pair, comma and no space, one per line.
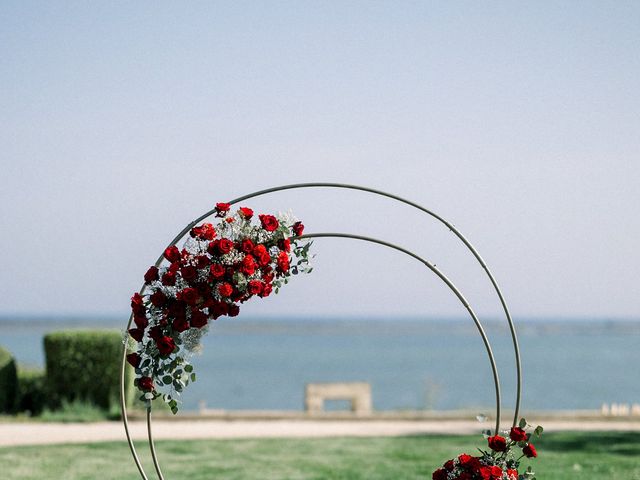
(12,434)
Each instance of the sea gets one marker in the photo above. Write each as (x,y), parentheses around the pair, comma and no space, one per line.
(411,363)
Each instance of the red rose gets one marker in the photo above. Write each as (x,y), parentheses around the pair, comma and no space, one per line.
(465,476)
(204,232)
(189,295)
(202,261)
(497,443)
(512,472)
(137,305)
(156,332)
(266,290)
(140,320)
(145,384)
(165,345)
(297,228)
(180,324)
(517,434)
(448,465)
(198,319)
(136,333)
(172,253)
(218,309)
(151,275)
(466,461)
(247,245)
(225,289)
(158,298)
(269,222)
(212,248)
(217,270)
(234,310)
(248,265)
(283,262)
(189,272)
(491,473)
(255,287)
(440,474)
(284,244)
(134,360)
(530,451)
(169,279)
(222,209)
(246,212)
(225,246)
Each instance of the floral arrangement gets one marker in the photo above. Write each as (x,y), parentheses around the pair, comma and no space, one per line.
(219,267)
(499,463)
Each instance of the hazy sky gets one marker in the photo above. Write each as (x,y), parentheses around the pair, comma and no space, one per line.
(120,122)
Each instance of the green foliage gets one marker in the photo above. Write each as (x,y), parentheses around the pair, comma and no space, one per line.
(85,366)
(32,395)
(8,382)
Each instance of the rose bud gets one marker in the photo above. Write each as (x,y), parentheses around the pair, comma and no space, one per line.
(136,334)
(137,305)
(134,360)
(145,384)
(517,434)
(151,275)
(246,212)
(297,228)
(141,320)
(530,451)
(222,209)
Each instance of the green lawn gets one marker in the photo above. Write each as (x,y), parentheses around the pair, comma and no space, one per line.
(597,456)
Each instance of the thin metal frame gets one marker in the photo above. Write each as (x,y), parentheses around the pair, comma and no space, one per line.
(432,267)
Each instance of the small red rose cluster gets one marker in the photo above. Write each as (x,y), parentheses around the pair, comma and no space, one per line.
(218,268)
(498,464)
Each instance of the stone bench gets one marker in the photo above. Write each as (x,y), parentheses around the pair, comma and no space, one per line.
(358,393)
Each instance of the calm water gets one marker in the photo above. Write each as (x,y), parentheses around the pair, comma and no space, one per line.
(411,364)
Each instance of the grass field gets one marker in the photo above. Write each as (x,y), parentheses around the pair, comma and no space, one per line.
(563,456)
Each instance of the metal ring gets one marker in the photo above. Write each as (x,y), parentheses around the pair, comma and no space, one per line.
(435,270)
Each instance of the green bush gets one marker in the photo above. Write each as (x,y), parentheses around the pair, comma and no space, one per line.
(32,395)
(8,382)
(85,366)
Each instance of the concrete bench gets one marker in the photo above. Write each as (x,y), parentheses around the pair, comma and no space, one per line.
(358,393)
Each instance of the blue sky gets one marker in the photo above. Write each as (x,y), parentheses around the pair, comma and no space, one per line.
(120,122)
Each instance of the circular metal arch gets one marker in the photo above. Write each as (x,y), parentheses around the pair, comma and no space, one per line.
(358,237)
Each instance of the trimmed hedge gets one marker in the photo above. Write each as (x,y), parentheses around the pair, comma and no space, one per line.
(84,366)
(32,396)
(8,381)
